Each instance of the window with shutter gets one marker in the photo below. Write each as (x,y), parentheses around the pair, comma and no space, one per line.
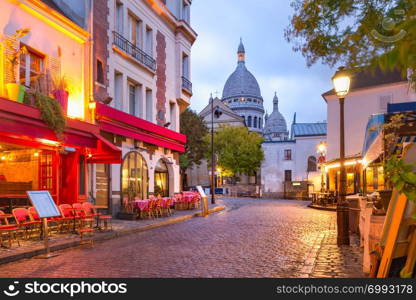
(7,54)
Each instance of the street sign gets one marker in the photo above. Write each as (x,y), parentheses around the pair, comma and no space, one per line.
(44,204)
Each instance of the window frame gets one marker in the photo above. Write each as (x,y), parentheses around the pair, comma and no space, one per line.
(287,154)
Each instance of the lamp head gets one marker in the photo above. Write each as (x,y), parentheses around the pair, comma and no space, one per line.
(341,81)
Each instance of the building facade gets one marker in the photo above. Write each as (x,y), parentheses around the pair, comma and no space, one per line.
(142,76)
(45,63)
(290,168)
(370,93)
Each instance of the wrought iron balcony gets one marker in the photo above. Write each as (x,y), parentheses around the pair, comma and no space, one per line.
(186,84)
(133,51)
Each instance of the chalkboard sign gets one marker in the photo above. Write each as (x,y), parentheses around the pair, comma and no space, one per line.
(44,204)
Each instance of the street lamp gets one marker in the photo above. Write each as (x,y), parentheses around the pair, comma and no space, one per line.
(341,81)
(321,161)
(217,114)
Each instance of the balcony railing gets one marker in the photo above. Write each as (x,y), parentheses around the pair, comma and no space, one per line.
(139,55)
(186,84)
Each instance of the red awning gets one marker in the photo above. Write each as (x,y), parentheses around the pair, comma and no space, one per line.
(104,153)
(118,122)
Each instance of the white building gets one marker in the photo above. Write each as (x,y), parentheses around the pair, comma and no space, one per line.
(370,92)
(144,86)
(290,164)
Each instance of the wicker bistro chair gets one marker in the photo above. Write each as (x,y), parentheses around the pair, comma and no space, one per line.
(167,211)
(25,221)
(179,205)
(10,229)
(53,223)
(68,216)
(84,219)
(149,209)
(91,213)
(158,207)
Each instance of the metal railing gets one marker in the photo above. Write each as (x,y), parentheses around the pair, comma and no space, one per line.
(126,46)
(186,84)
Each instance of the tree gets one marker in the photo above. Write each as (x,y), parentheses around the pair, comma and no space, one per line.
(356,33)
(194,128)
(238,151)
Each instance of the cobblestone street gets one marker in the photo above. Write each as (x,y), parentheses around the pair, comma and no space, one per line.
(252,238)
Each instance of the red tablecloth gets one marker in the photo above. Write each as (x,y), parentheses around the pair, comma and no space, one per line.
(142,204)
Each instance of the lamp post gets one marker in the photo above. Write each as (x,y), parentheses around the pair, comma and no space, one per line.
(217,114)
(321,160)
(341,81)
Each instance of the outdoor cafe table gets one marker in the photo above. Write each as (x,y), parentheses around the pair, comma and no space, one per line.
(189,197)
(97,216)
(11,197)
(142,204)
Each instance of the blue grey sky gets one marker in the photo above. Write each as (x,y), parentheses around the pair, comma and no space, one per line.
(269,57)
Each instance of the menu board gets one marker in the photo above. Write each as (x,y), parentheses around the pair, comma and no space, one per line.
(201,191)
(44,204)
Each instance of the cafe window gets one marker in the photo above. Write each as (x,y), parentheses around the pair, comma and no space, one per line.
(380,178)
(350,183)
(134,176)
(369,178)
(31,66)
(24,169)
(161,179)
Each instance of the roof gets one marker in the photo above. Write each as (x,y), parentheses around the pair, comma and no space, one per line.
(309,129)
(54,6)
(241,83)
(369,78)
(224,108)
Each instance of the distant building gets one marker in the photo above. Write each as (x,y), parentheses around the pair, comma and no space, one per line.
(242,94)
(290,162)
(287,157)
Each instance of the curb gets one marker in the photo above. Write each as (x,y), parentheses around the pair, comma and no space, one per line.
(105,236)
(322,208)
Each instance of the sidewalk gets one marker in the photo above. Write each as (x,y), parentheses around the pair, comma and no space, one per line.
(57,242)
(327,259)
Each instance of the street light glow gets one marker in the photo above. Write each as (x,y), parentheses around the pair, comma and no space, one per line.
(341,81)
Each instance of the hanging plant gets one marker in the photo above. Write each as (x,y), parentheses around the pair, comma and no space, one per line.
(402,176)
(51,113)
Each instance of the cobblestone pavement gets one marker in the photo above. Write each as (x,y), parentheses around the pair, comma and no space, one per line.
(252,238)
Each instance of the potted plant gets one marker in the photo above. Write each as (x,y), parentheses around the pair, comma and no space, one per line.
(60,91)
(15,90)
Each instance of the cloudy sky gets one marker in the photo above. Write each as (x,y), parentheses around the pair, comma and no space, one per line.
(261,24)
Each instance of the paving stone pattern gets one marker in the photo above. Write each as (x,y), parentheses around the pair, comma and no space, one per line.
(252,238)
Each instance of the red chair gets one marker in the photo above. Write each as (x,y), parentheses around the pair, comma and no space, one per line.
(149,209)
(25,221)
(179,205)
(68,216)
(91,212)
(9,229)
(82,215)
(158,206)
(166,207)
